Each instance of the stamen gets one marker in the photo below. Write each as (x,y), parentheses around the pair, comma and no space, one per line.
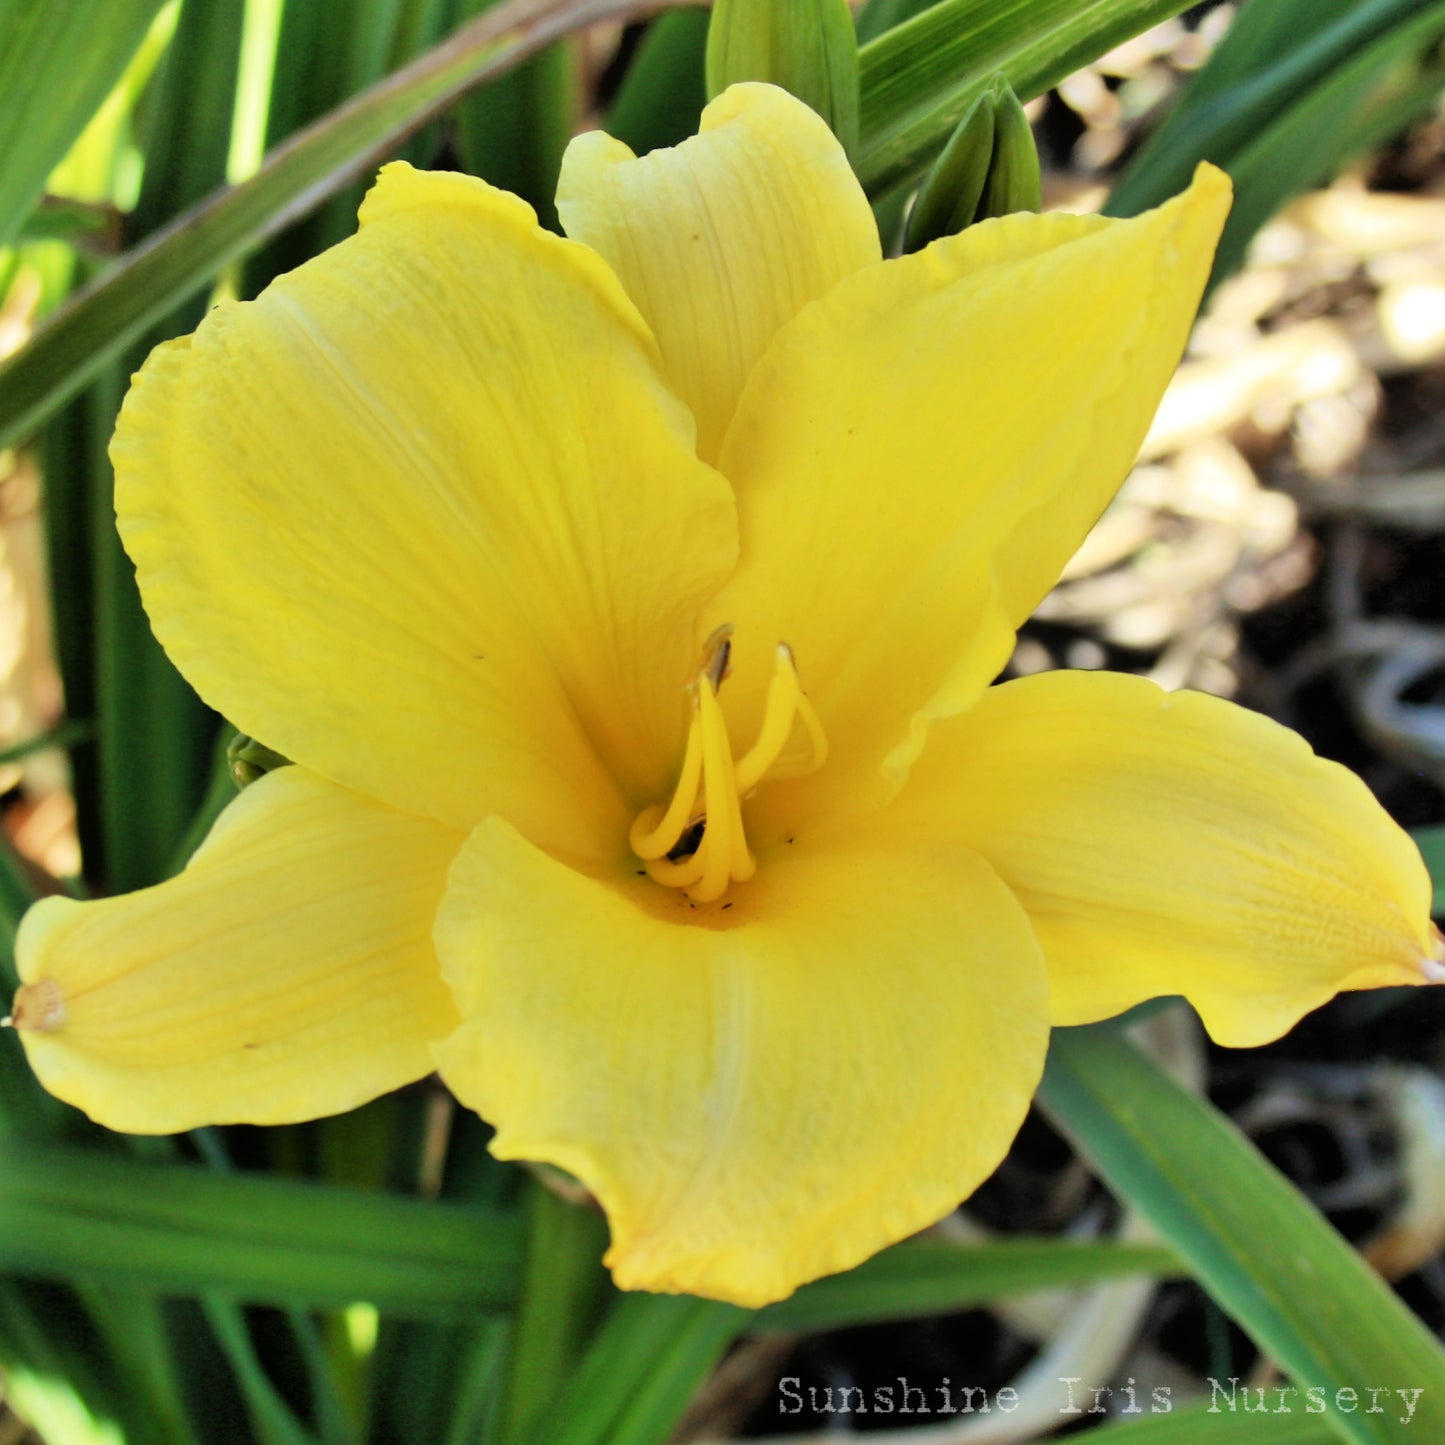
(656,831)
(717,652)
(785,703)
(722,840)
(698,842)
(817,744)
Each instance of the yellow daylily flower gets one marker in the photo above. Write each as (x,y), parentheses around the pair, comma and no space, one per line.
(629,605)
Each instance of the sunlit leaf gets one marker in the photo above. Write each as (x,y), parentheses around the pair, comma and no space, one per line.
(921,77)
(80,1213)
(315,164)
(58,61)
(1256,1244)
(933,1276)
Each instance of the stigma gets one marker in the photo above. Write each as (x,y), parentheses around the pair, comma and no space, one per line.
(696,841)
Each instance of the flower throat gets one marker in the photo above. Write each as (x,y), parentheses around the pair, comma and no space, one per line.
(696,841)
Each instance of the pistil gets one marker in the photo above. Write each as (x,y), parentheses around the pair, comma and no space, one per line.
(697,841)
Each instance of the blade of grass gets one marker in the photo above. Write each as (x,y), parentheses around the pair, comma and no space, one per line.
(437,1385)
(133,1331)
(1402,102)
(79,340)
(663,93)
(879,16)
(25,1108)
(271,1417)
(920,77)
(513,131)
(72,450)
(220,791)
(55,1375)
(1315,136)
(563,1289)
(640,1372)
(327,51)
(138,786)
(932,1276)
(64,735)
(89,226)
(1251,82)
(432,1384)
(191,105)
(476,1384)
(58,61)
(1252,1240)
(155,735)
(16,895)
(67,1212)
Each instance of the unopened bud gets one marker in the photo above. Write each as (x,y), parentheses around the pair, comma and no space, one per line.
(249,760)
(990,167)
(808,47)
(1014,183)
(948,199)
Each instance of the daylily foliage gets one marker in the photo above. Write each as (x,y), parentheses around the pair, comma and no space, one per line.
(629,605)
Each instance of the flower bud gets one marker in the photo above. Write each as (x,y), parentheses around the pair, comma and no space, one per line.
(1013,176)
(249,760)
(989,167)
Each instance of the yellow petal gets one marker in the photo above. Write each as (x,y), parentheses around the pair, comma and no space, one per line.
(287,973)
(758,1092)
(425,518)
(919,453)
(724,238)
(1176,844)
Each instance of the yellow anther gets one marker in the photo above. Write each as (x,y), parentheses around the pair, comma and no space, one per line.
(655,831)
(697,842)
(785,703)
(723,844)
(717,653)
(817,753)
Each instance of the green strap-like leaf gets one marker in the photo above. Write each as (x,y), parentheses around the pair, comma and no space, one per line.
(563,1290)
(79,1213)
(1254,1242)
(1252,81)
(933,1276)
(640,1372)
(58,61)
(328,51)
(513,132)
(1314,137)
(272,1420)
(917,81)
(921,77)
(139,785)
(296,177)
(662,94)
